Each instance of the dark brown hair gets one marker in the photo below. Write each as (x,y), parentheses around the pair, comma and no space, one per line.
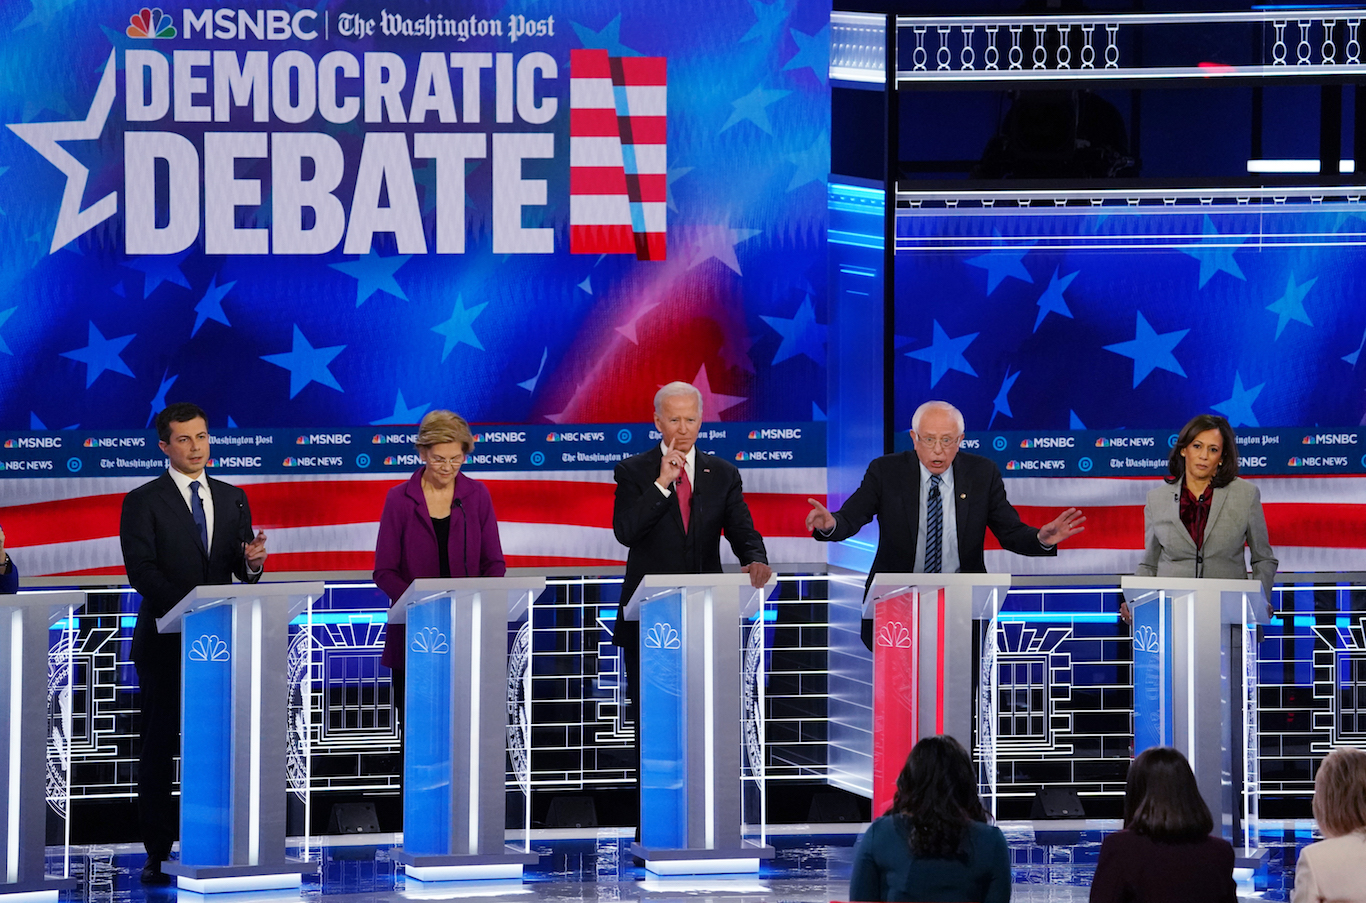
(1340,792)
(1228,461)
(936,795)
(1162,800)
(180,412)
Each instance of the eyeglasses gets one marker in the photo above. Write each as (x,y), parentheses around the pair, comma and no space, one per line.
(945,442)
(452,461)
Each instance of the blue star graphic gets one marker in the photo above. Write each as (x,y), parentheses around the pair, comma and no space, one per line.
(5,315)
(159,400)
(34,423)
(1074,422)
(210,307)
(403,415)
(101,354)
(945,354)
(674,175)
(43,13)
(813,164)
(306,364)
(530,384)
(1215,254)
(1052,301)
(769,19)
(801,334)
(1238,409)
(1352,358)
(754,107)
(1001,403)
(813,52)
(817,413)
(460,327)
(1290,306)
(374,273)
(3,170)
(1150,350)
(1003,262)
(608,39)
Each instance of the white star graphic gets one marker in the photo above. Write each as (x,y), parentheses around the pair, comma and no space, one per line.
(72,221)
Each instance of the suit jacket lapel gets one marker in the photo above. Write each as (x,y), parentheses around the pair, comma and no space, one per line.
(913,500)
(651,474)
(170,495)
(962,487)
(1216,506)
(1174,513)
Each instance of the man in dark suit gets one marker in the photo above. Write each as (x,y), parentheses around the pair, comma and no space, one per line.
(673,503)
(962,495)
(180,531)
(9,571)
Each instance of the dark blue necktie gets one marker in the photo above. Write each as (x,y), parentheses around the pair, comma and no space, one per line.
(200,521)
(934,528)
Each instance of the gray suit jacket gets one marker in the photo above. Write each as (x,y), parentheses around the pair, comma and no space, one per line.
(1235,521)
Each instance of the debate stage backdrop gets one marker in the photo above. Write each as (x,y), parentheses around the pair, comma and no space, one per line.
(320,220)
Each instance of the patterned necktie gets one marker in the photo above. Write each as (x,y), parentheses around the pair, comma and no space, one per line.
(684,497)
(934,528)
(200,521)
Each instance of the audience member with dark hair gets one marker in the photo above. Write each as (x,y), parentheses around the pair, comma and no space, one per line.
(1334,869)
(1165,853)
(934,843)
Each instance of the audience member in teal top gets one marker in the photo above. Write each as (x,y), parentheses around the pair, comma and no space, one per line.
(934,844)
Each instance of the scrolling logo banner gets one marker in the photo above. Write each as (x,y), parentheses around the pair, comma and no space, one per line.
(618,173)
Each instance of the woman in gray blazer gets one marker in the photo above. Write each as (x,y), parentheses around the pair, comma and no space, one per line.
(1198,524)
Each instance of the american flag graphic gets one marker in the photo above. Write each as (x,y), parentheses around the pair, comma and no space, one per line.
(618,162)
(324,523)
(564,519)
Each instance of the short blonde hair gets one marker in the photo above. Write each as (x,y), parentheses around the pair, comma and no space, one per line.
(1340,792)
(440,427)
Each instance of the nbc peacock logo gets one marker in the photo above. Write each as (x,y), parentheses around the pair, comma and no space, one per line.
(150,23)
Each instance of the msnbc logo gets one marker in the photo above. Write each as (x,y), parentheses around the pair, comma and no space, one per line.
(150,23)
(754,434)
(9,443)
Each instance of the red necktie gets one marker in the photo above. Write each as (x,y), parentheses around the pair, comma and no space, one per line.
(684,497)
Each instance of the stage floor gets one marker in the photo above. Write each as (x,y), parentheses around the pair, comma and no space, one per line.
(1053,863)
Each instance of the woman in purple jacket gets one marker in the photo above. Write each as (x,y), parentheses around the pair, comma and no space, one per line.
(439,523)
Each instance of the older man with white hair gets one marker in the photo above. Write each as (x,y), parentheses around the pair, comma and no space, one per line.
(673,503)
(934,507)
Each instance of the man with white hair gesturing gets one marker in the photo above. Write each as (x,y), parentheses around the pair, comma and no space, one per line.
(934,507)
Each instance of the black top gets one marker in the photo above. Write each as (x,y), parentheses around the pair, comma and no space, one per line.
(1137,869)
(442,526)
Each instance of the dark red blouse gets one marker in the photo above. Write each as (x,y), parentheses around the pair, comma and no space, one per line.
(1195,512)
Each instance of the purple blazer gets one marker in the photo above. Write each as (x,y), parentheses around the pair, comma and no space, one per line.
(406,547)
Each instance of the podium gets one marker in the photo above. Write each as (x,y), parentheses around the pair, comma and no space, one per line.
(690,723)
(233,716)
(1188,697)
(455,731)
(925,660)
(24,622)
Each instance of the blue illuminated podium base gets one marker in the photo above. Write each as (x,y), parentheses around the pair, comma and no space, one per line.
(472,867)
(39,890)
(209,879)
(744,859)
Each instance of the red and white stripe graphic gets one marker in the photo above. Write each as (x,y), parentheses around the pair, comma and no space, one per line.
(564,519)
(618,161)
(321,523)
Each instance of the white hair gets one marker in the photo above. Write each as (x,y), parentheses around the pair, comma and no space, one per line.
(677,389)
(953,412)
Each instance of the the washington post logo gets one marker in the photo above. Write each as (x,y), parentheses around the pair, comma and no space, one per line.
(618,172)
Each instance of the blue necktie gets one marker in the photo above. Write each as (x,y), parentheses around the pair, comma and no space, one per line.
(200,521)
(934,528)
